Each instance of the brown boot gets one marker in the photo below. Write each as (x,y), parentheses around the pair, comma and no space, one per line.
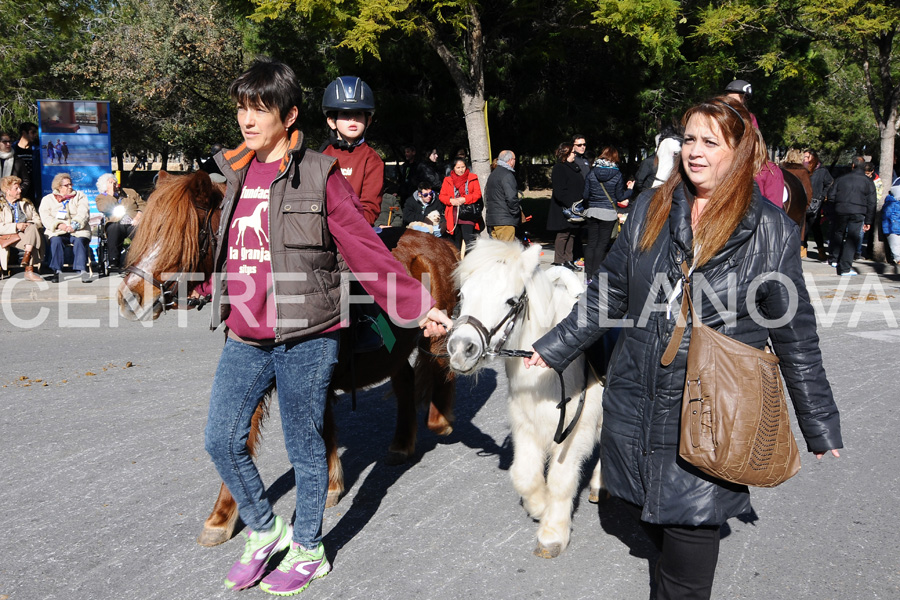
(30,275)
(26,259)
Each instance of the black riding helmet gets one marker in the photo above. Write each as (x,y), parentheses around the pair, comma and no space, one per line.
(348,93)
(739,86)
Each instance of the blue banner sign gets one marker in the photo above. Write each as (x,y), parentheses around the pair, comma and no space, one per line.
(75,139)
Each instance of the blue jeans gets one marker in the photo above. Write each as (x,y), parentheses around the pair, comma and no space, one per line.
(58,248)
(302,371)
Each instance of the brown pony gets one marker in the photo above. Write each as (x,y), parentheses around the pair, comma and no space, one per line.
(176,238)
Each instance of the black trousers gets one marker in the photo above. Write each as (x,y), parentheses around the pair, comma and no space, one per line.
(845,236)
(563,246)
(599,234)
(814,227)
(688,558)
(115,237)
(464,232)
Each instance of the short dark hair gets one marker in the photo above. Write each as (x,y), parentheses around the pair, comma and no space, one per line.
(578,136)
(425,185)
(268,83)
(27,126)
(857,162)
(869,167)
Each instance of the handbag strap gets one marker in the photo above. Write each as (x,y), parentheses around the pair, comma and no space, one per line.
(681,320)
(603,187)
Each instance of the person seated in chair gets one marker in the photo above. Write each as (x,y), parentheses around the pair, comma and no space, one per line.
(65,213)
(123,208)
(421,205)
(18,215)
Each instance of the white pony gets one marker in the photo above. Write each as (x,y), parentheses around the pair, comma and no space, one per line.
(494,278)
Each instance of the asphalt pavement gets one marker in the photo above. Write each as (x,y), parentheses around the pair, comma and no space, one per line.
(105,483)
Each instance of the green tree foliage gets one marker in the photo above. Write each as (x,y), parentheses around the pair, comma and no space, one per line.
(35,36)
(165,69)
(452,29)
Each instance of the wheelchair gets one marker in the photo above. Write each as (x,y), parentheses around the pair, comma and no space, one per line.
(98,230)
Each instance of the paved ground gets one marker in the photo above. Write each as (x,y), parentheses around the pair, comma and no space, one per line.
(105,481)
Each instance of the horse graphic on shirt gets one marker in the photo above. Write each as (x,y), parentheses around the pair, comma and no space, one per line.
(254,222)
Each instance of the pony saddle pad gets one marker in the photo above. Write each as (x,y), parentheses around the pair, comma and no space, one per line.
(370,329)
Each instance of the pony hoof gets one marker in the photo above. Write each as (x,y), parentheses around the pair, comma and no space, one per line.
(213,536)
(332,498)
(595,495)
(395,457)
(445,430)
(551,551)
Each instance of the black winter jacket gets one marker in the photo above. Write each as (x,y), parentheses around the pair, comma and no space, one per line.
(854,194)
(642,400)
(612,181)
(501,199)
(821,181)
(414,210)
(568,183)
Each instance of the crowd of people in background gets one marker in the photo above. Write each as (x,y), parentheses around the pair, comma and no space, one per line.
(447,198)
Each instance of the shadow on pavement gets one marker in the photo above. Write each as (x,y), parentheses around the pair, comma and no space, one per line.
(365,435)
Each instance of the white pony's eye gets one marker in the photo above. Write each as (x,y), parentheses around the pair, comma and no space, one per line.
(511,302)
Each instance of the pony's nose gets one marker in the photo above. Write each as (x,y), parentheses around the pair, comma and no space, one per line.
(463,348)
(129,304)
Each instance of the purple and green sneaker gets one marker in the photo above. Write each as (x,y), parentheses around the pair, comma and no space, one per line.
(297,569)
(260,547)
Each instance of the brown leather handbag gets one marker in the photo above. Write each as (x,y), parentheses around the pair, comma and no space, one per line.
(9,239)
(734,418)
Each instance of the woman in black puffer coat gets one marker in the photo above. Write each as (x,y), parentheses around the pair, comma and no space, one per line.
(567,179)
(745,256)
(606,193)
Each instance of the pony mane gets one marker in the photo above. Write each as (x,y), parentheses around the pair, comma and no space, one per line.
(170,226)
(490,254)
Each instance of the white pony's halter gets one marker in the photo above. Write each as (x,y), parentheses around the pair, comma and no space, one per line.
(489,346)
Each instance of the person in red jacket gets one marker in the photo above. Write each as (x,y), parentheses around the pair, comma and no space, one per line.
(349,105)
(461,194)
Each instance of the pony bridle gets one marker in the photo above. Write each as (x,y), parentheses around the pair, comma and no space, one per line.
(168,289)
(490,345)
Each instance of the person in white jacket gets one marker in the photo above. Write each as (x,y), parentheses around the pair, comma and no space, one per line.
(65,213)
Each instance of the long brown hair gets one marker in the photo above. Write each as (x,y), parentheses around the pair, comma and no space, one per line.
(731,198)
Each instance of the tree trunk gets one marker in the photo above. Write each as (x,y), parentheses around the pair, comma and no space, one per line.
(164,160)
(885,110)
(476,128)
(885,171)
